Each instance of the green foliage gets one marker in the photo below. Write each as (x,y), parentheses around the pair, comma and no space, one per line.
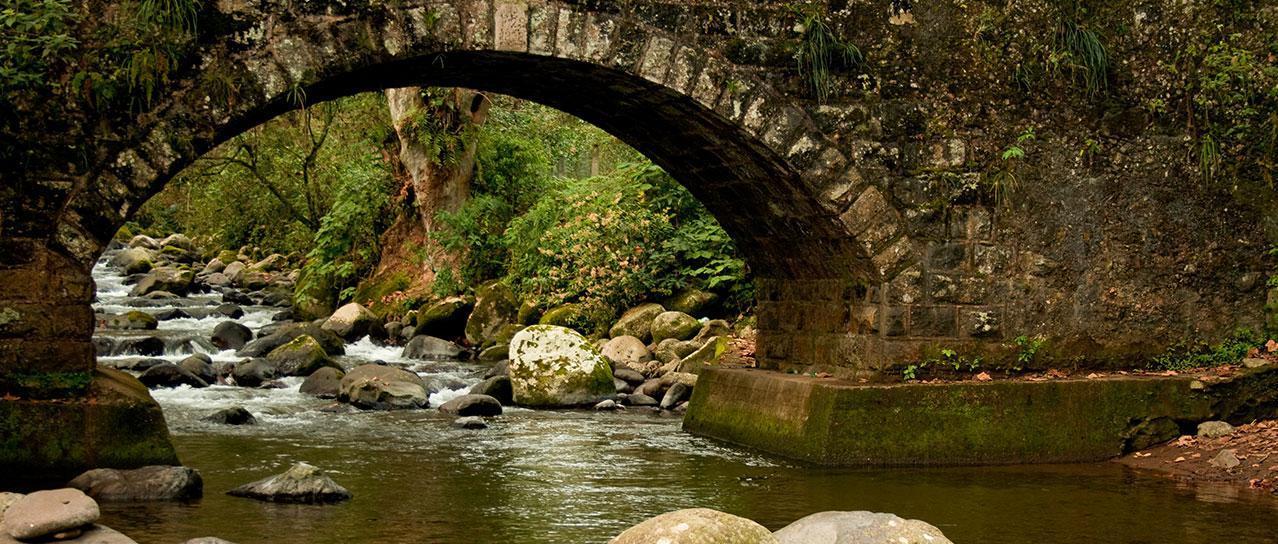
(819,49)
(1231,350)
(1004,180)
(1234,93)
(947,358)
(35,34)
(1081,53)
(1027,350)
(346,245)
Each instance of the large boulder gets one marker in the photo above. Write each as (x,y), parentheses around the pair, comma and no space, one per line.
(677,325)
(45,513)
(302,483)
(692,301)
(153,483)
(180,241)
(495,307)
(472,405)
(332,344)
(572,316)
(131,261)
(556,366)
(623,351)
(351,322)
(377,387)
(170,375)
(446,318)
(704,356)
(231,335)
(696,526)
(233,271)
(637,322)
(301,357)
(858,528)
(170,280)
(324,383)
(429,348)
(145,242)
(272,263)
(671,350)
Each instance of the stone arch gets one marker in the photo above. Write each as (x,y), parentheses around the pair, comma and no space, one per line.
(820,237)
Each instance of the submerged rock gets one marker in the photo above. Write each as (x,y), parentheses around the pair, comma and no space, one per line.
(858,527)
(208,540)
(696,526)
(470,422)
(154,483)
(303,483)
(45,513)
(235,415)
(555,366)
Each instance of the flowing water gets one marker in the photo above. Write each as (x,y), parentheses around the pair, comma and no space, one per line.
(579,476)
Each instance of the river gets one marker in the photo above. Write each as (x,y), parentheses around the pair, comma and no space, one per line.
(580,476)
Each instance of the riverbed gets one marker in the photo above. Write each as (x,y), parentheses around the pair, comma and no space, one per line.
(581,476)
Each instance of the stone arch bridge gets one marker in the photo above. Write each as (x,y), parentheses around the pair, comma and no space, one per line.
(852,213)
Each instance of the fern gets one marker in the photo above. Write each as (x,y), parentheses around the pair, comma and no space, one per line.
(819,47)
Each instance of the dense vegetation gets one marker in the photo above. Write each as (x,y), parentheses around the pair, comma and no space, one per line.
(559,210)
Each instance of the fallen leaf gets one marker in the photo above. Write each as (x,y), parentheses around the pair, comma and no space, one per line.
(1093,376)
(1178,460)
(983,377)
(1271,346)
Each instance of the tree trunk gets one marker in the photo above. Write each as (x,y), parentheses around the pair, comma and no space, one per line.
(438,134)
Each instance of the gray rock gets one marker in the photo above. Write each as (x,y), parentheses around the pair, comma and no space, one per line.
(470,422)
(235,415)
(677,393)
(89,534)
(300,357)
(153,483)
(859,527)
(170,375)
(624,351)
(696,526)
(324,383)
(429,348)
(622,385)
(608,406)
(287,332)
(44,513)
(171,280)
(232,311)
(253,373)
(500,369)
(1214,429)
(376,387)
(231,335)
(640,399)
(637,322)
(351,322)
(472,405)
(676,325)
(630,375)
(1225,460)
(201,366)
(302,483)
(497,387)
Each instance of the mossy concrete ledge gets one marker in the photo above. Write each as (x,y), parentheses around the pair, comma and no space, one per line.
(116,425)
(830,422)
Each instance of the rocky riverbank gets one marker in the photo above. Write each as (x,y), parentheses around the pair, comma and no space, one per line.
(1245,455)
(649,359)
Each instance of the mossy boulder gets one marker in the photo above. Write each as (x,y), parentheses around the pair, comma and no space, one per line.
(504,335)
(133,320)
(637,322)
(300,357)
(168,279)
(446,318)
(333,344)
(692,301)
(175,254)
(696,526)
(676,325)
(228,256)
(704,356)
(115,425)
(135,260)
(495,307)
(571,316)
(554,366)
